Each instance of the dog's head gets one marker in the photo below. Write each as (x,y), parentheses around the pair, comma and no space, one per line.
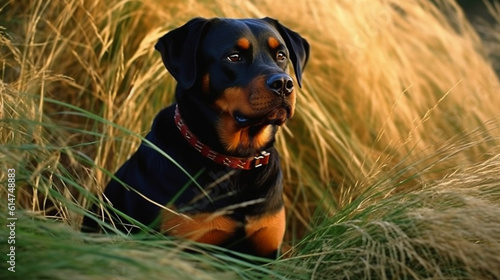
(238,68)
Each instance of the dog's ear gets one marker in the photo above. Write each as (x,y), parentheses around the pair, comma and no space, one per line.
(179,49)
(297,46)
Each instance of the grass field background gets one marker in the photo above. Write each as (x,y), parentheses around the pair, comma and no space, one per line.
(392,161)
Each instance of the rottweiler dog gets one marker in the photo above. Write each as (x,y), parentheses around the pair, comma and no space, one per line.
(213,175)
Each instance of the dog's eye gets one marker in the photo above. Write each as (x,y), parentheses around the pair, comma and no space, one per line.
(235,57)
(280,56)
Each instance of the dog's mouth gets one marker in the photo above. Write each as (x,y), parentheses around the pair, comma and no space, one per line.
(277,116)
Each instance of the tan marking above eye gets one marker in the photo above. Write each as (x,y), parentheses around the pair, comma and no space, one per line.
(273,42)
(243,43)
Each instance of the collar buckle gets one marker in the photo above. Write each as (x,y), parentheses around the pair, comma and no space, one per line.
(261,159)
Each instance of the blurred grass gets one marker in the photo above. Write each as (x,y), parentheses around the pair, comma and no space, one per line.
(391,162)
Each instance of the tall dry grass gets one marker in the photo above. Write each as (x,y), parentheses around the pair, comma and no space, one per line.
(449,230)
(399,105)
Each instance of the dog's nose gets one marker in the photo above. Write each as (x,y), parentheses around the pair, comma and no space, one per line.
(281,84)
